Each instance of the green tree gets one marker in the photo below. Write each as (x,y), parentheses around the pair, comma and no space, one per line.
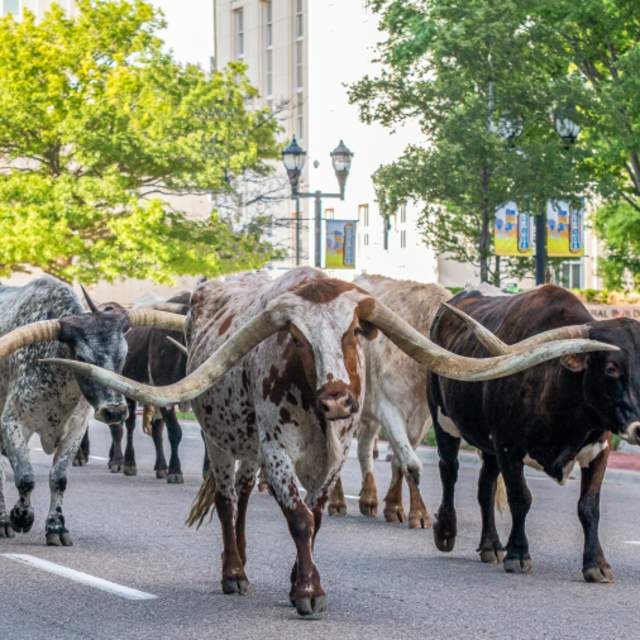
(97,126)
(596,44)
(469,74)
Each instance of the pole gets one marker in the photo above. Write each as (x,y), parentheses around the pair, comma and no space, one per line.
(298,235)
(541,246)
(318,229)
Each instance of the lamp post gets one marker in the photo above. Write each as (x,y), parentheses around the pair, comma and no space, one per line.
(293,158)
(568,131)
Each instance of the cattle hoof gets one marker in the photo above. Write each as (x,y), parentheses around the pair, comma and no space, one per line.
(337,509)
(492,556)
(22,518)
(175,478)
(310,606)
(368,509)
(419,520)
(394,514)
(6,530)
(601,575)
(161,474)
(235,585)
(263,487)
(445,530)
(130,470)
(115,468)
(59,540)
(518,565)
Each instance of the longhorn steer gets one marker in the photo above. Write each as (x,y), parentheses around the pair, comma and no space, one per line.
(395,400)
(276,375)
(548,416)
(44,319)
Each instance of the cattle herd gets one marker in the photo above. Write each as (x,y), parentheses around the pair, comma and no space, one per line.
(281,374)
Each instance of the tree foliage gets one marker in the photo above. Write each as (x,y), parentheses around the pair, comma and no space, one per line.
(97,127)
(470,75)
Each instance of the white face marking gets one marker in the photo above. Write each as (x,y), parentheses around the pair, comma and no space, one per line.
(588,454)
(324,325)
(448,426)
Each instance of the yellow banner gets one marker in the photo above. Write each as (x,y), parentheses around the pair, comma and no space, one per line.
(512,231)
(565,233)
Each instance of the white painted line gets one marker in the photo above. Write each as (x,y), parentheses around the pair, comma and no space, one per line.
(346,495)
(78,576)
(99,458)
(632,542)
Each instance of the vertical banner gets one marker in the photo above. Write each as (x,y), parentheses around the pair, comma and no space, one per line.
(565,230)
(512,231)
(340,247)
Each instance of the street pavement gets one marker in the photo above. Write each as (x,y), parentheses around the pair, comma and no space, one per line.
(382,580)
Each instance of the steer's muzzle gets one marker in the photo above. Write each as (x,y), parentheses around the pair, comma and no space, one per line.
(112,413)
(632,433)
(336,401)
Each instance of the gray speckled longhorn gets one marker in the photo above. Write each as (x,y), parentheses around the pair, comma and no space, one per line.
(44,319)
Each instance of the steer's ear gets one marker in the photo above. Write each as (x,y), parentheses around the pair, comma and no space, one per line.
(575,362)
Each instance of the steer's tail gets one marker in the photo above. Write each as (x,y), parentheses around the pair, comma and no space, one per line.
(149,414)
(203,503)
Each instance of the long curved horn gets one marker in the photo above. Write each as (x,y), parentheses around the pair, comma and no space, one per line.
(171,307)
(41,331)
(495,346)
(178,345)
(451,365)
(206,375)
(157,319)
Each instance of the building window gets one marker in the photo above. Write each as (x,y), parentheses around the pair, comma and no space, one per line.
(329,214)
(403,239)
(403,214)
(238,33)
(10,6)
(363,214)
(300,116)
(298,67)
(366,239)
(569,274)
(267,10)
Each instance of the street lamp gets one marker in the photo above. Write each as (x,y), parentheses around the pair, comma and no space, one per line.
(293,158)
(568,131)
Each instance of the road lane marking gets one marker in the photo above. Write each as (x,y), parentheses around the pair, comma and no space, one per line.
(632,542)
(78,576)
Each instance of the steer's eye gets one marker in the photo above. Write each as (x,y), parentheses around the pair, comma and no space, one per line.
(612,370)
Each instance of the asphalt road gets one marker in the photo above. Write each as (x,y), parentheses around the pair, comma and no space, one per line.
(383,581)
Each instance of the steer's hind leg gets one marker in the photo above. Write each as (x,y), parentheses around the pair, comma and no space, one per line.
(393,509)
(368,501)
(6,530)
(245,481)
(517,559)
(490,548)
(116,457)
(82,457)
(130,468)
(445,528)
(595,567)
(174,431)
(56,531)
(17,451)
(234,579)
(306,593)
(337,504)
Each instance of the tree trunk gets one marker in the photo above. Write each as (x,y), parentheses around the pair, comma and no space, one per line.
(484,231)
(496,272)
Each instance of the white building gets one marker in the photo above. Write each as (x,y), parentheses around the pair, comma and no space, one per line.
(37,7)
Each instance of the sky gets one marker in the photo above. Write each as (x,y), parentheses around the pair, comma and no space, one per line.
(189,29)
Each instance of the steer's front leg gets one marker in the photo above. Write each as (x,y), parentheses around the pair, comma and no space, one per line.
(517,559)
(595,567)
(57,533)
(306,593)
(15,446)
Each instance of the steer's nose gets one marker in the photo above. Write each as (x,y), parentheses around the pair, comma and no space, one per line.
(112,413)
(337,405)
